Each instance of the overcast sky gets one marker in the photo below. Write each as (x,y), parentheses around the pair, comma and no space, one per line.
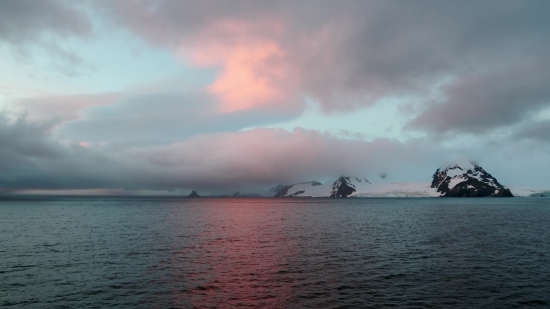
(168,96)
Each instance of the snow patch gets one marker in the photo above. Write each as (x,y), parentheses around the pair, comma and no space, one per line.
(401,189)
(455,172)
(455,181)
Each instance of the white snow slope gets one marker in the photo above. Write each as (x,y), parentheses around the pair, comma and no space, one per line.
(364,188)
(528,191)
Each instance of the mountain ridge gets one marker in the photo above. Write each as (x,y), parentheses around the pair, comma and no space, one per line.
(460,178)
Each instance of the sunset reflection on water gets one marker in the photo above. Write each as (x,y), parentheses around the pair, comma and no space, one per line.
(240,255)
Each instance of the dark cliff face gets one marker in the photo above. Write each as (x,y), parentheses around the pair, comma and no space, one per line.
(342,187)
(275,190)
(475,188)
(471,181)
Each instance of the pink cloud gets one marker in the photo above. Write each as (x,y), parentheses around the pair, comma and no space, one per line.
(262,65)
(264,61)
(255,70)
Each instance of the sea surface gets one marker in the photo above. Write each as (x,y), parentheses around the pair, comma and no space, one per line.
(120,252)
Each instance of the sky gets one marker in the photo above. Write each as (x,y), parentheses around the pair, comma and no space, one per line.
(153,96)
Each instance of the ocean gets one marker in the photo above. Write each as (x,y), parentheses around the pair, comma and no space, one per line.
(151,252)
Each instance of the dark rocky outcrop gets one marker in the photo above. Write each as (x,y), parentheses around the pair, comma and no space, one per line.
(282,191)
(239,194)
(297,193)
(194,194)
(475,188)
(275,190)
(343,187)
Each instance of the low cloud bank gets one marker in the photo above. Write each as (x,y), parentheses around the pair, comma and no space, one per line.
(31,159)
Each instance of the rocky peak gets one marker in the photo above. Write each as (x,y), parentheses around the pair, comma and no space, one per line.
(346,186)
(462,178)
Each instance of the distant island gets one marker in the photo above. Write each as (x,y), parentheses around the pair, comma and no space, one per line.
(194,194)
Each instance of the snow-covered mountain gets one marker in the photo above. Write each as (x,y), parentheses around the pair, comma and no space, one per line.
(346,186)
(462,178)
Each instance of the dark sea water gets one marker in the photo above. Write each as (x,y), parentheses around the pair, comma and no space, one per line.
(274,253)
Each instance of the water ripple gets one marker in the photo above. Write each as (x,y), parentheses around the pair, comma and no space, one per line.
(274,253)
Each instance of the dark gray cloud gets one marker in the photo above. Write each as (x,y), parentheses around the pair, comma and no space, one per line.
(25,24)
(536,130)
(482,101)
(21,138)
(30,159)
(23,21)
(349,54)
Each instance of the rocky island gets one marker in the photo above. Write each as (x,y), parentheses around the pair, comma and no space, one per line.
(463,178)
